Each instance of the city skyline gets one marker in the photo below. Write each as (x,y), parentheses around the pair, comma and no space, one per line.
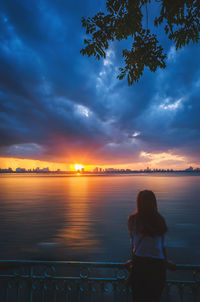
(95,170)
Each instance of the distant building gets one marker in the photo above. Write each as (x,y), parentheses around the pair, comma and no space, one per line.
(190,169)
(9,170)
(20,170)
(82,170)
(147,169)
(96,170)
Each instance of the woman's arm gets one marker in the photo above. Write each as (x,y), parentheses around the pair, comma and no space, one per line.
(130,224)
(169,264)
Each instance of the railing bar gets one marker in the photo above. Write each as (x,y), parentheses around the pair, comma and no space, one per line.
(87,264)
(24,277)
(176,282)
(89,278)
(75,263)
(186,267)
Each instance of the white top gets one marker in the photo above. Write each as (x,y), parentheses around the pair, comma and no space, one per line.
(148,246)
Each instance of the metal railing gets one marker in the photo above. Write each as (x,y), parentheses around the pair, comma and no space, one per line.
(57,281)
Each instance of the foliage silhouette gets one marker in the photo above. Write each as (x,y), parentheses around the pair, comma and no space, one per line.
(125,18)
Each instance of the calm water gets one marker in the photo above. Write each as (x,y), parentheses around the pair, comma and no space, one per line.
(84,217)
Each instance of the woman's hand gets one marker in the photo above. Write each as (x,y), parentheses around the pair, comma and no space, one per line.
(170,265)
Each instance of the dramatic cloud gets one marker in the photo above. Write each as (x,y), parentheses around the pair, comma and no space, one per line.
(59,106)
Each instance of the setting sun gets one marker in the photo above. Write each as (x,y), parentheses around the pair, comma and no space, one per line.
(78,167)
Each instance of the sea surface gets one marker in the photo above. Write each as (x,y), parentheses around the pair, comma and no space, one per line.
(84,217)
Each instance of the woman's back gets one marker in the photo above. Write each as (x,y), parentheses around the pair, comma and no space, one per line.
(147,229)
(149,243)
(148,246)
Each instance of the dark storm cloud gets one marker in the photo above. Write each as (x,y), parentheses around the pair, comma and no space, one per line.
(53,100)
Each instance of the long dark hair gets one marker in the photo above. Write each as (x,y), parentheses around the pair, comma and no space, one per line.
(146,219)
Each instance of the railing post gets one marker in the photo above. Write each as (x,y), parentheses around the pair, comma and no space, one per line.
(181,289)
(168,291)
(8,286)
(17,284)
(115,291)
(91,290)
(31,284)
(68,290)
(102,290)
(56,289)
(195,292)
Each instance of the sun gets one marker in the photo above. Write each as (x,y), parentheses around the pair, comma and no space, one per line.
(78,167)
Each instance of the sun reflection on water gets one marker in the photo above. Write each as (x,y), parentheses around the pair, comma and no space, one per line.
(78,231)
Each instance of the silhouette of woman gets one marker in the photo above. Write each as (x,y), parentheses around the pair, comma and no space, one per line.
(147,229)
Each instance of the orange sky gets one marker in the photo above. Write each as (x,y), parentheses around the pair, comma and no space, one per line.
(11,162)
(159,160)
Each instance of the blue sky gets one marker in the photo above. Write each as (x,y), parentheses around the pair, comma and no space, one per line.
(59,106)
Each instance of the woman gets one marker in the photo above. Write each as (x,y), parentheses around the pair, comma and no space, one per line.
(147,229)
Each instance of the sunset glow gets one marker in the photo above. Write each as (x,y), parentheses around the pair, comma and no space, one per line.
(78,167)
(151,160)
(12,162)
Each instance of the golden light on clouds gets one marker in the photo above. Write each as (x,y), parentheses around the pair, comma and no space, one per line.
(161,160)
(158,158)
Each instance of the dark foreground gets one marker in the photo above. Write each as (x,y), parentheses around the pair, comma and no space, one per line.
(65,281)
